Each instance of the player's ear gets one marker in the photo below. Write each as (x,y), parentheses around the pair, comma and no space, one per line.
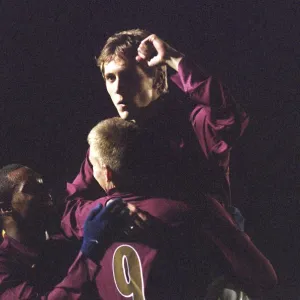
(108,173)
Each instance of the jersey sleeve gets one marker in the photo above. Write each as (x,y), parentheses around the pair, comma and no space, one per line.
(82,271)
(75,214)
(84,185)
(250,269)
(216,118)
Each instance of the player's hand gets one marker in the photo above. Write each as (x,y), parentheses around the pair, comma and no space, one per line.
(132,220)
(98,227)
(154,51)
(138,223)
(138,220)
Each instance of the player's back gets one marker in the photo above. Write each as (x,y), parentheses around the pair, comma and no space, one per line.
(165,262)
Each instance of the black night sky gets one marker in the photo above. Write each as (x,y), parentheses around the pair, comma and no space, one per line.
(52,94)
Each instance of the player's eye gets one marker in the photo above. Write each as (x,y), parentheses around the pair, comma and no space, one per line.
(110,78)
(35,189)
(29,189)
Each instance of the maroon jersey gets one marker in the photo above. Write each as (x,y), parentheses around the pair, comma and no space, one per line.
(172,259)
(47,274)
(200,131)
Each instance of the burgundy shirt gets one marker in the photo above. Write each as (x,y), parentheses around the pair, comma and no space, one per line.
(28,274)
(172,260)
(200,130)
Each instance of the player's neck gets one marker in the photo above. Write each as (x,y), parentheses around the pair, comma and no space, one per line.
(149,112)
(23,234)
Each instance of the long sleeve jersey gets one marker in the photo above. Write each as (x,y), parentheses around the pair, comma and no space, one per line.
(24,275)
(172,259)
(200,130)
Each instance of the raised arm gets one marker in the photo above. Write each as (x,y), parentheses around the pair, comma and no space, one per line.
(217,120)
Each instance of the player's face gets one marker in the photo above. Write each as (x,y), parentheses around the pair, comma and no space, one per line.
(31,199)
(129,87)
(98,168)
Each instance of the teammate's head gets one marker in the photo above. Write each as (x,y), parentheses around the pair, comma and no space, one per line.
(132,86)
(24,196)
(121,153)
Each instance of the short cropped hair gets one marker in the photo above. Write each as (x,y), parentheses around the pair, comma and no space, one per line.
(7,185)
(124,45)
(127,150)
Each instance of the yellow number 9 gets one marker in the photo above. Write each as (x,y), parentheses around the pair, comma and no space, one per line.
(128,274)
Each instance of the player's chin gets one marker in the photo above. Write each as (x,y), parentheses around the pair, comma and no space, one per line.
(125,115)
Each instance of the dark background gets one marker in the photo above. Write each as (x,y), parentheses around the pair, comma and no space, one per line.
(52,94)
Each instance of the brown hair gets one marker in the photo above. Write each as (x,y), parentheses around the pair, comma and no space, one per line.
(124,45)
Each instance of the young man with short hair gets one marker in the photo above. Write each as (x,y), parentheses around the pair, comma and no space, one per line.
(199,130)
